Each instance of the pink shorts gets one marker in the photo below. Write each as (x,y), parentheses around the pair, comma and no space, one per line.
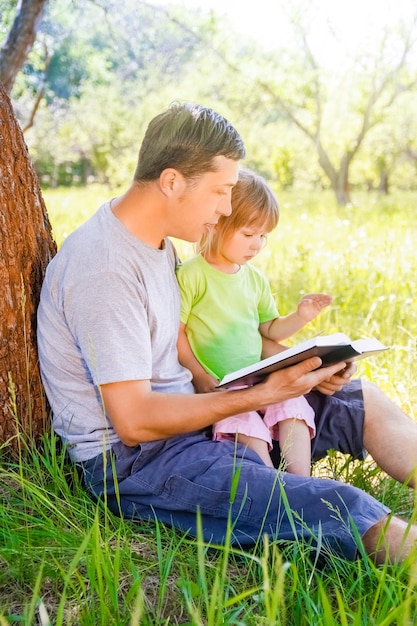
(265,424)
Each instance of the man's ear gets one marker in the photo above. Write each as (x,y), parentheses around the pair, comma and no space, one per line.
(171,181)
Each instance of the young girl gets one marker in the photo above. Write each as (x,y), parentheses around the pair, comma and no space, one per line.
(228,314)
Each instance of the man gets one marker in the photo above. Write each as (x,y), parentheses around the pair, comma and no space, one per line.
(107,329)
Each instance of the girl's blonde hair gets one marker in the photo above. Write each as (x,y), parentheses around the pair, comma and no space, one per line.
(253,204)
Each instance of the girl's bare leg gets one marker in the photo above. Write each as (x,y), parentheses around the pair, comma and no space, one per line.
(257,445)
(295,444)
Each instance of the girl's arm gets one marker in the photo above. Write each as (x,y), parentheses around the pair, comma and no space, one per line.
(270,347)
(308,308)
(203,381)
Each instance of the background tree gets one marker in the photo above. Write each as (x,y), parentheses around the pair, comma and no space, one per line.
(26,246)
(337,106)
(19,40)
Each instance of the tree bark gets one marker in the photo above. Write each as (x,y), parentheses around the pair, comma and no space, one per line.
(26,247)
(20,40)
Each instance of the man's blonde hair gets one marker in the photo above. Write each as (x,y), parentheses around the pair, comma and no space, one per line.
(253,204)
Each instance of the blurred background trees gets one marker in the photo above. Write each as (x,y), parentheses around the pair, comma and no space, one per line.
(313,116)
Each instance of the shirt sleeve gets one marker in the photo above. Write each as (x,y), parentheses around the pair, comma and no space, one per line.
(189,290)
(108,319)
(267,307)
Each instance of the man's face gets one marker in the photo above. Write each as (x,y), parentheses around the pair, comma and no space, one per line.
(203,201)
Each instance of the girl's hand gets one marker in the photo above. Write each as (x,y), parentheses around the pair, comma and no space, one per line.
(205,383)
(311,304)
(337,381)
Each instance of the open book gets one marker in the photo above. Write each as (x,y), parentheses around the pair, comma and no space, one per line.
(330,348)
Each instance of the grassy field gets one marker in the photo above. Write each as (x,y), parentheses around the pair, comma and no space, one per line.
(64,560)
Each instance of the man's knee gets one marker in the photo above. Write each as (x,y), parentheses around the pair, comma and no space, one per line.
(390,540)
(375,403)
(370,390)
(374,536)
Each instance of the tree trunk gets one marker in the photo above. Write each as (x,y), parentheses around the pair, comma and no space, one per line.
(339,178)
(342,191)
(341,185)
(383,186)
(26,246)
(19,40)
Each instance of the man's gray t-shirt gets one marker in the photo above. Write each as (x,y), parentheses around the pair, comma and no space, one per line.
(109,312)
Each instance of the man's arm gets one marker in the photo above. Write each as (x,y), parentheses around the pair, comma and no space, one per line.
(139,414)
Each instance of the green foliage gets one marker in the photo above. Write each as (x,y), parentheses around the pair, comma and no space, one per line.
(102,85)
(7,14)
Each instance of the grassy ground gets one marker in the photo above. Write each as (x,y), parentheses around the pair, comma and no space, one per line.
(64,560)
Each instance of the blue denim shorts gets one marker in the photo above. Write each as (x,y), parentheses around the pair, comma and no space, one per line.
(234,493)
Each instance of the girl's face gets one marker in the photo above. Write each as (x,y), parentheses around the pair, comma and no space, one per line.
(243,245)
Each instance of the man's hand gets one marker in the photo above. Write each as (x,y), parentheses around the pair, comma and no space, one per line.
(300,379)
(336,382)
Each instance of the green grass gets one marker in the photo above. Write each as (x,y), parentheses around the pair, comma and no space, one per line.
(65,560)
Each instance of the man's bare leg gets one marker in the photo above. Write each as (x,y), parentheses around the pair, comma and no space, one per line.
(390,540)
(390,436)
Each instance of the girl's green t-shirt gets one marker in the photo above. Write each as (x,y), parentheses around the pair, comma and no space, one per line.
(222,313)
